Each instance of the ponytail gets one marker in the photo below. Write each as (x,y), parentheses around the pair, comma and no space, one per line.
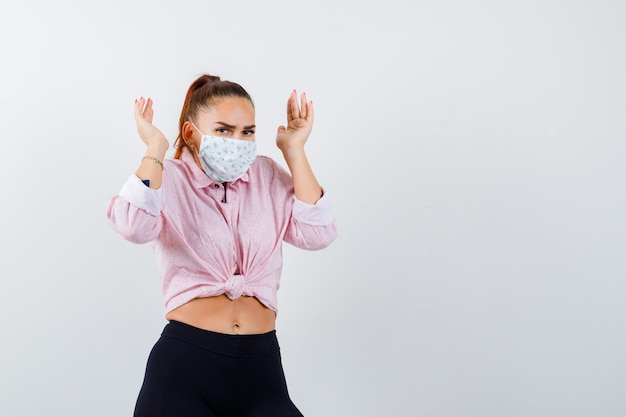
(203,93)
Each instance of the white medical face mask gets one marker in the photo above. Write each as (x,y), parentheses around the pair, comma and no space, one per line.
(225,159)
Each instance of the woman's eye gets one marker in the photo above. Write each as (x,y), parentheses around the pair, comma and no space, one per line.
(248,132)
(221,130)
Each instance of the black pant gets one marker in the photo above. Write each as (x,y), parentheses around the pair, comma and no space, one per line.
(193,372)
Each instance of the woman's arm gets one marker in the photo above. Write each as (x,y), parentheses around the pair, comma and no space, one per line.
(151,166)
(290,140)
(135,212)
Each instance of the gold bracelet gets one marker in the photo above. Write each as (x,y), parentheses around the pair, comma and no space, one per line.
(152,158)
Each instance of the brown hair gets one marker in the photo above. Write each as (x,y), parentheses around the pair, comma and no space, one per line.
(201,95)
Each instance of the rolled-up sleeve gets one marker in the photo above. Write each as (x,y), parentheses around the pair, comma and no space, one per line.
(135,213)
(312,226)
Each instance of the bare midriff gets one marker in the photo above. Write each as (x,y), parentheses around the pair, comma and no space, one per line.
(245,315)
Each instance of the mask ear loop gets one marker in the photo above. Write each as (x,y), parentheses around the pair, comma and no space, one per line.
(192,123)
(193,145)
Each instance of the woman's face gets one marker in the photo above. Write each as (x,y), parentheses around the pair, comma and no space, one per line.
(231,117)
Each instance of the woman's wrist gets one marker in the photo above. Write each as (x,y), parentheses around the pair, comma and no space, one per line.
(292,151)
(157,149)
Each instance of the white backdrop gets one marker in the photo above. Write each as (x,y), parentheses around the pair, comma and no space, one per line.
(475,154)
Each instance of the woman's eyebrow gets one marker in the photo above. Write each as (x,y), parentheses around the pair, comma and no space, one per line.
(233,127)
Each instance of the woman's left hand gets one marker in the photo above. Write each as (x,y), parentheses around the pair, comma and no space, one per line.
(299,123)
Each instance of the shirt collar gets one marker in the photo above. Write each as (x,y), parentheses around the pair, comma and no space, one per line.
(198,177)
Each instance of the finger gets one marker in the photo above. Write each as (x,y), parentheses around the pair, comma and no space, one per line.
(303,106)
(138,108)
(294,111)
(145,104)
(142,104)
(148,112)
(310,112)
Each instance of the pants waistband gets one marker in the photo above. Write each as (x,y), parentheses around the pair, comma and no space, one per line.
(246,345)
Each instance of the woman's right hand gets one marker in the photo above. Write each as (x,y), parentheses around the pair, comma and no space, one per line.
(149,134)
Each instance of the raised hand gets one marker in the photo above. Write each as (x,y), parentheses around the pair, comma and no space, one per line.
(299,123)
(149,134)
(290,140)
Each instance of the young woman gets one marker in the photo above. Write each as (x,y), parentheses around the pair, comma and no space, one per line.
(216,215)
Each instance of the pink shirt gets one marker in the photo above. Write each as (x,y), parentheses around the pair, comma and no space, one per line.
(207,247)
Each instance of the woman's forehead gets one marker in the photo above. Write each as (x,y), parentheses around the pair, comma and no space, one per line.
(229,108)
